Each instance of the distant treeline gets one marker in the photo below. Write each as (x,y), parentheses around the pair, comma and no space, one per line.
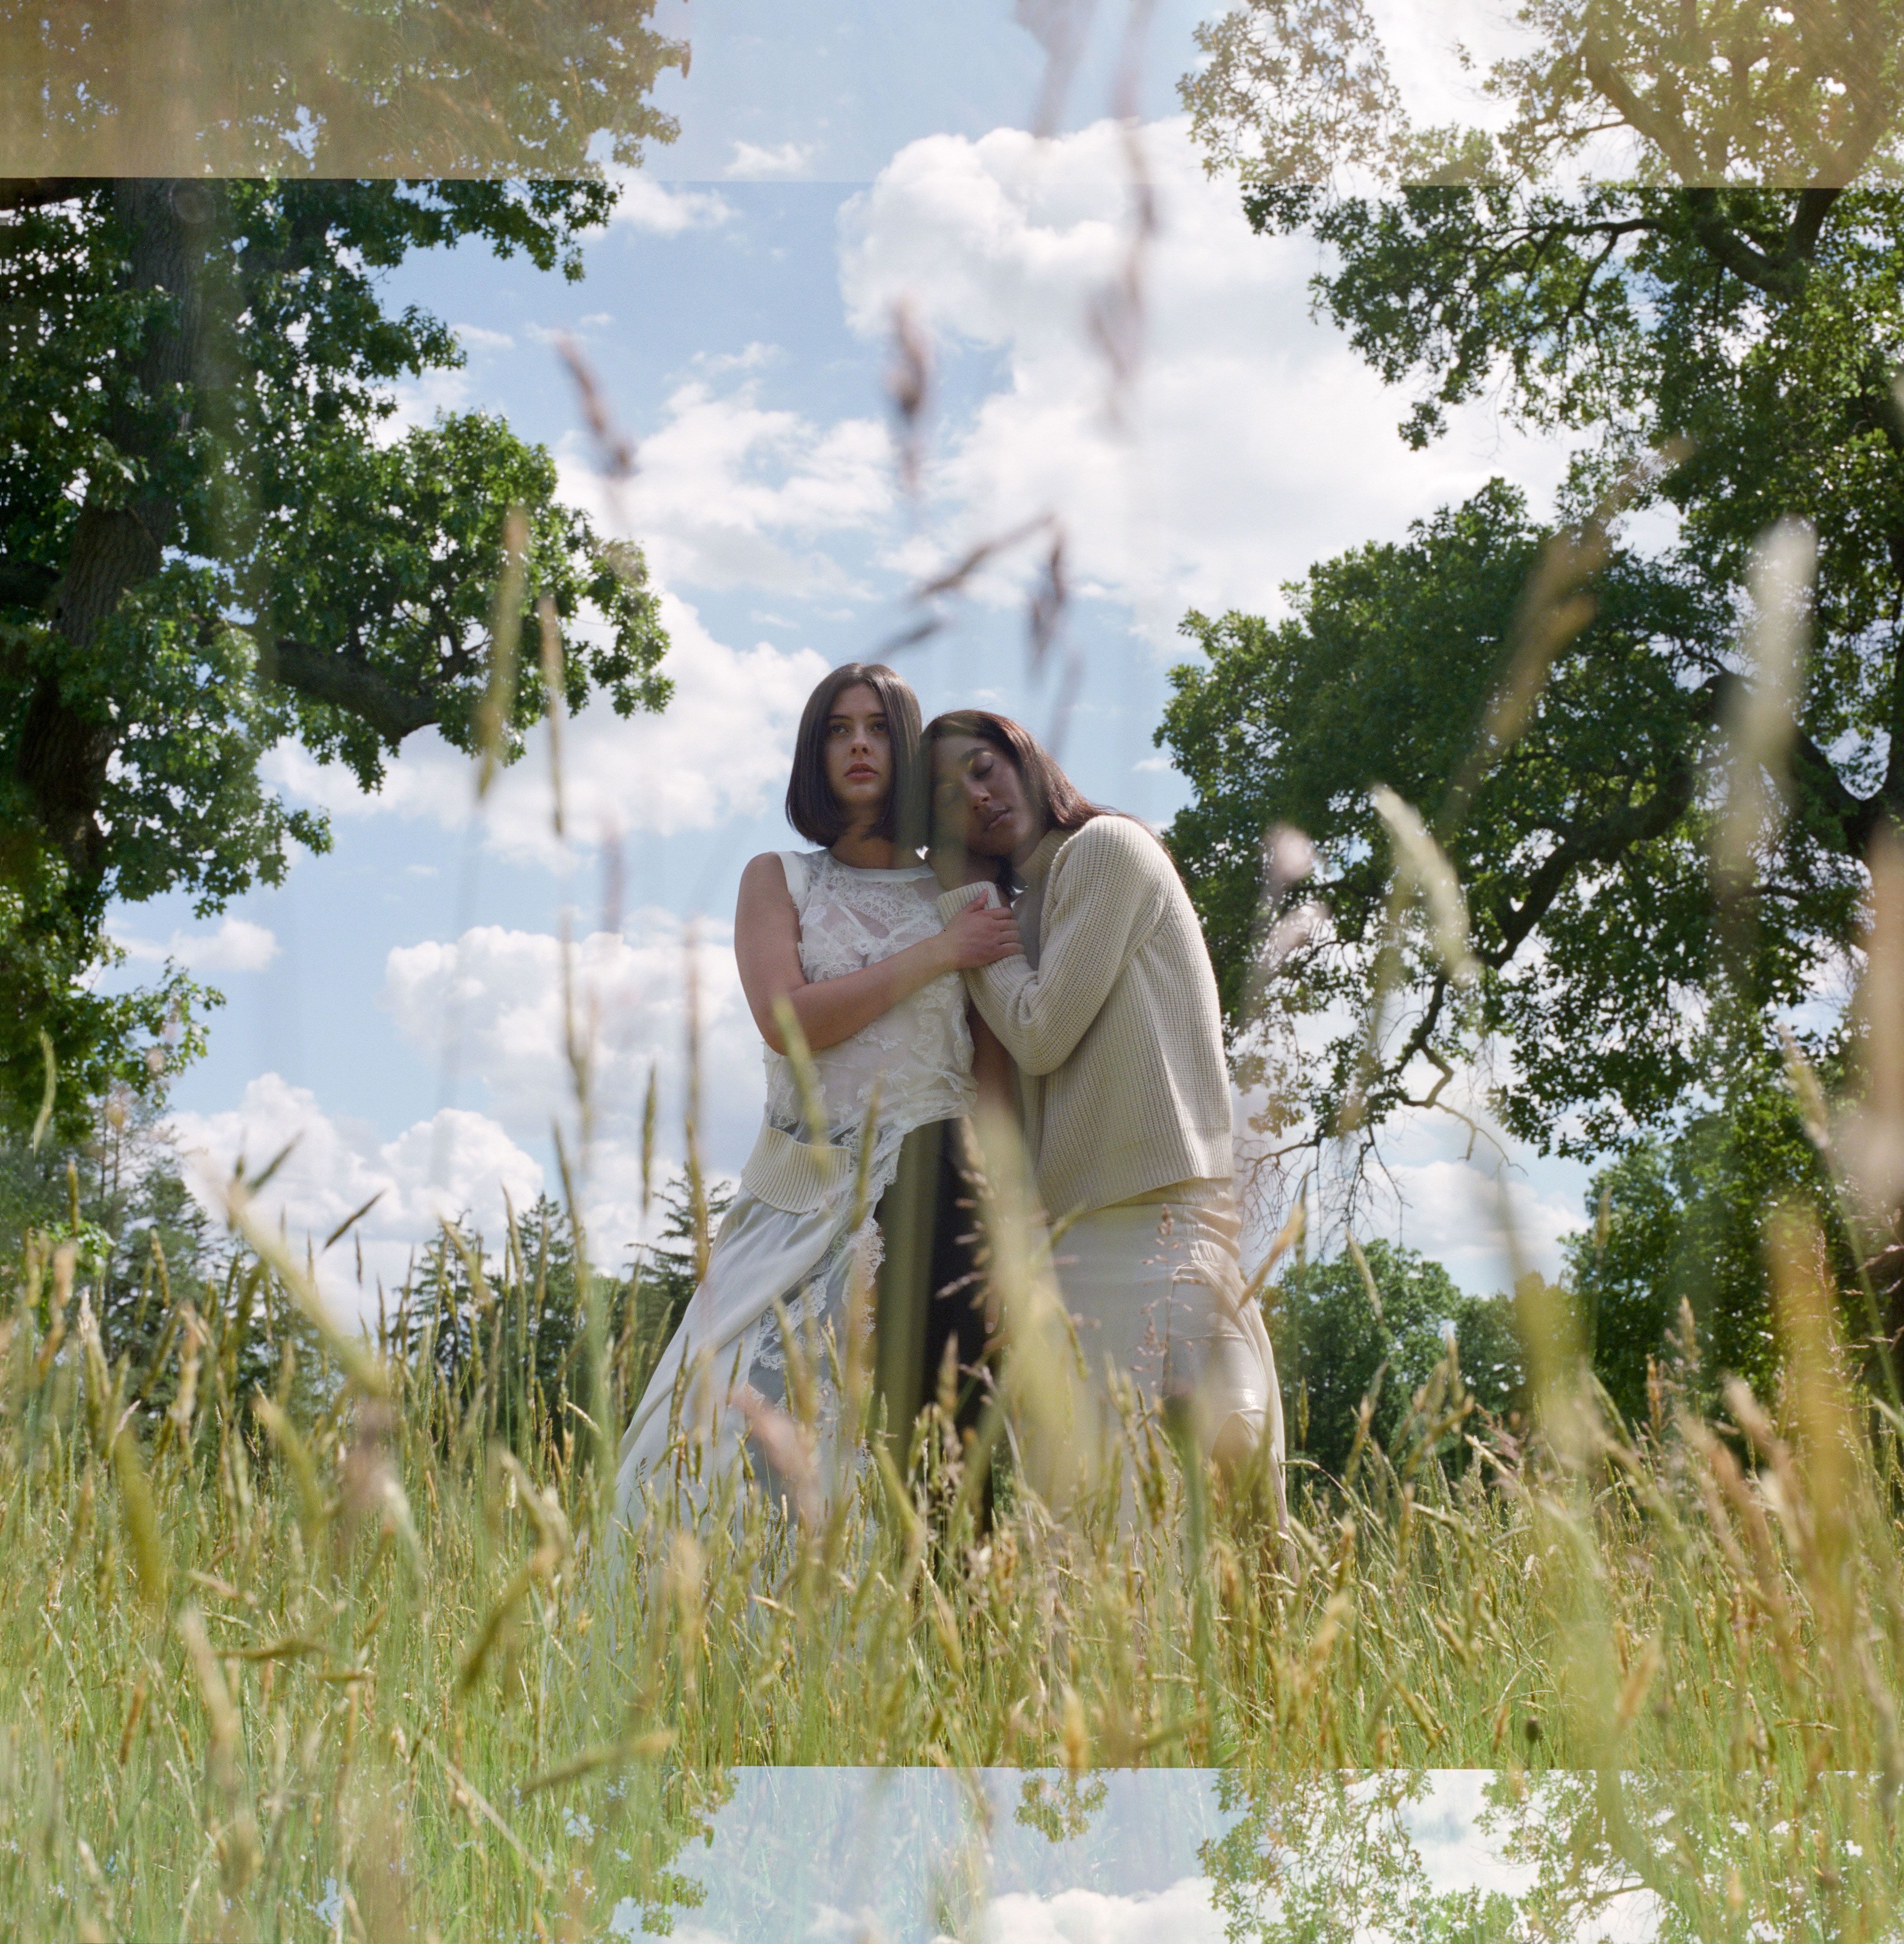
(503,1323)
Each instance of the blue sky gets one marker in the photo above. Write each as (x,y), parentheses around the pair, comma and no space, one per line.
(394,1004)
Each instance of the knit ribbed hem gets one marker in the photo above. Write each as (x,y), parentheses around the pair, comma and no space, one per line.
(792,1175)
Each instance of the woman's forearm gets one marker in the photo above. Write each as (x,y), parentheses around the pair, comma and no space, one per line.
(831,1010)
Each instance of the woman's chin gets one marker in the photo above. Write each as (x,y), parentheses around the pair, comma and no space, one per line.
(862,806)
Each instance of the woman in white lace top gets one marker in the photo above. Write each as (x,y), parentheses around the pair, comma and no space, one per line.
(850,935)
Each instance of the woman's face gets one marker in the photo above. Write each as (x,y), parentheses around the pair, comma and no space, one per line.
(980,795)
(859,753)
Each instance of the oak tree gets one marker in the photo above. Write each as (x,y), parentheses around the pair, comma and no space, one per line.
(215,534)
(1683,236)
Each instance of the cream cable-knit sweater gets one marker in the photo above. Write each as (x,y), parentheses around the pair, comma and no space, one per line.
(1118,1029)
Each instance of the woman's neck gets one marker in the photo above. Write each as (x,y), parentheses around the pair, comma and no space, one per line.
(1021,854)
(864,852)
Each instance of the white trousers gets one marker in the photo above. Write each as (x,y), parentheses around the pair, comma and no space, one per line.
(1154,1289)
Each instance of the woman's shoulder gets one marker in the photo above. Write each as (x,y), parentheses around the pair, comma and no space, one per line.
(772,865)
(1112,841)
(773,875)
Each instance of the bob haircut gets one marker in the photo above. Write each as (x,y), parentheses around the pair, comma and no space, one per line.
(1063,805)
(811,806)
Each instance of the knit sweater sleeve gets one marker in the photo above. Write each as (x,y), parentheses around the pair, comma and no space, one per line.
(1100,902)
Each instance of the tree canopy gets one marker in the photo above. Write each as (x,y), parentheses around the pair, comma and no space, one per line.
(214,535)
(1583,850)
(1682,1224)
(1685,240)
(497,88)
(1705,93)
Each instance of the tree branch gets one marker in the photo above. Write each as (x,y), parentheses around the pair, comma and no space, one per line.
(1808,220)
(1389,1074)
(1727,248)
(1417,1041)
(1855,815)
(353,686)
(1777,276)
(1667,137)
(1598,843)
(1576,312)
(1441,1067)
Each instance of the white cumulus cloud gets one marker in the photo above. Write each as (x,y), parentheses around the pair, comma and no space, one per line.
(1255,440)
(490,1005)
(1454,1212)
(733,493)
(455,1163)
(480,337)
(1184,1913)
(486,1010)
(720,749)
(237,945)
(754,161)
(646,204)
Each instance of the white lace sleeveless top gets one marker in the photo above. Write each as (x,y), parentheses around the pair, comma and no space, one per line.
(919,1052)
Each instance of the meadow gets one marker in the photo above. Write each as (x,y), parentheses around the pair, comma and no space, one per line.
(353,1656)
(315,1630)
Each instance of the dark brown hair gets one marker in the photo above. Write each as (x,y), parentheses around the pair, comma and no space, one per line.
(1062,805)
(811,806)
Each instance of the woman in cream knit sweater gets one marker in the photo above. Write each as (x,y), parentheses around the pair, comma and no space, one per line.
(1111,1012)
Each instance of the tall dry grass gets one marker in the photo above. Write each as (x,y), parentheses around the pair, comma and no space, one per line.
(362,1676)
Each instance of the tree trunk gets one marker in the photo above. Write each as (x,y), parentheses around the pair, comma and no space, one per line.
(117,543)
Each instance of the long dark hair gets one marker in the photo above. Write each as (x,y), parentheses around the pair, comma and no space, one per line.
(1063,805)
(811,806)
